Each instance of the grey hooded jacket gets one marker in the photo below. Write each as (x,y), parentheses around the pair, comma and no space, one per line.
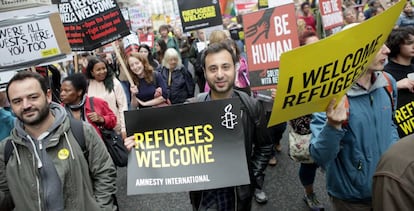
(52,173)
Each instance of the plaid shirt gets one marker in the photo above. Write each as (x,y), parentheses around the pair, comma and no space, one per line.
(221,199)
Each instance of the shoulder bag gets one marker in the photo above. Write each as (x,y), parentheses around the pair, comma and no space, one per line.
(114,143)
(299,139)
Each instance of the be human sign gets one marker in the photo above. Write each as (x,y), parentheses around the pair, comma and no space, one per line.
(268,34)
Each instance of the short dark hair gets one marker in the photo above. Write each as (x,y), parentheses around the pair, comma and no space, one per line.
(371,3)
(78,81)
(163,27)
(150,57)
(23,75)
(215,48)
(306,3)
(397,38)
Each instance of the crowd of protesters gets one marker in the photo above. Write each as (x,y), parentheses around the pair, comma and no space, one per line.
(347,141)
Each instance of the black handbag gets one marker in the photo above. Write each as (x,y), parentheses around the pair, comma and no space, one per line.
(114,143)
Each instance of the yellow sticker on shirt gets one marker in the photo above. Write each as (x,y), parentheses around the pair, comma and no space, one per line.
(63,154)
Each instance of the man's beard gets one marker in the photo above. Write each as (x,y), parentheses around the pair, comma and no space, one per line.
(42,115)
(213,88)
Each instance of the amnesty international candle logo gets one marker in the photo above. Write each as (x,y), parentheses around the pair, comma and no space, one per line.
(184,148)
(229,119)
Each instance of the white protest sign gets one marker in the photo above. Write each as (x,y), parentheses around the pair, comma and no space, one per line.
(22,42)
(30,37)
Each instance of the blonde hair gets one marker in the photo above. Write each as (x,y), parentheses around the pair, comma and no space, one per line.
(171,53)
(217,36)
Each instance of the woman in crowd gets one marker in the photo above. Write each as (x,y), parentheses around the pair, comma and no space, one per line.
(77,103)
(146,51)
(350,15)
(149,88)
(103,84)
(217,36)
(179,81)
(160,48)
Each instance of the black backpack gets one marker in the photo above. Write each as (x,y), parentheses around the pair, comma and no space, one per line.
(76,127)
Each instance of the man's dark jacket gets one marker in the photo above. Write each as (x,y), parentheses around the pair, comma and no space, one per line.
(258,149)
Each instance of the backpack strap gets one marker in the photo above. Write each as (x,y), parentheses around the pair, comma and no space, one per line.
(202,96)
(387,88)
(8,151)
(76,127)
(249,106)
(91,104)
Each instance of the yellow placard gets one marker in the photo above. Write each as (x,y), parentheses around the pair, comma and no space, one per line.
(312,75)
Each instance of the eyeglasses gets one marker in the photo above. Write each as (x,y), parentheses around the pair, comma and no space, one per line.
(143,51)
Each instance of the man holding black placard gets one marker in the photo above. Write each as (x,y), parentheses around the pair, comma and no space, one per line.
(219,63)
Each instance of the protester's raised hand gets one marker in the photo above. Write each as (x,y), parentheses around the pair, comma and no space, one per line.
(337,114)
(406,83)
(129,142)
(273,93)
(95,117)
(158,92)
(134,90)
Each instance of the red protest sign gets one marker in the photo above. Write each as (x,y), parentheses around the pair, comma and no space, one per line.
(331,13)
(91,24)
(268,33)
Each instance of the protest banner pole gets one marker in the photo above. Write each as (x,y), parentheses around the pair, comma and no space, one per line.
(75,62)
(122,62)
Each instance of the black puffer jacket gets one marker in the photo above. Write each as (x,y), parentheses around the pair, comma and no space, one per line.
(181,85)
(258,149)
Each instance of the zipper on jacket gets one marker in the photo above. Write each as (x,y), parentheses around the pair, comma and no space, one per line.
(235,198)
(36,154)
(374,117)
(201,200)
(359,166)
(39,198)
